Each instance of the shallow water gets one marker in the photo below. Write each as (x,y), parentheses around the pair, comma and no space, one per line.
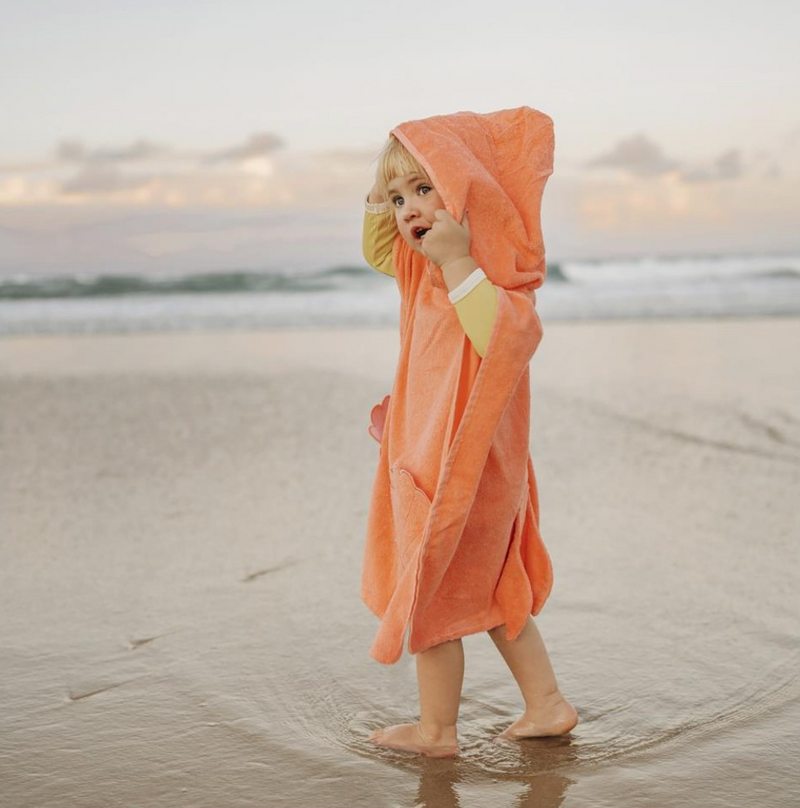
(180,620)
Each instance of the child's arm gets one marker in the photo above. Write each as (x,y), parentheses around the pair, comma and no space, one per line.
(475,302)
(472,294)
(378,234)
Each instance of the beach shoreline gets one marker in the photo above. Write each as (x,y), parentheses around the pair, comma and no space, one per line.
(183,518)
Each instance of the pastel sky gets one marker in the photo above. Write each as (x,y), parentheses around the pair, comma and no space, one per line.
(239,135)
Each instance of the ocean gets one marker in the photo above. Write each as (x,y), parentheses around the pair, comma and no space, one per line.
(689,286)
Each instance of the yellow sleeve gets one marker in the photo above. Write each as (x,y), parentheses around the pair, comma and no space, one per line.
(476,311)
(378,238)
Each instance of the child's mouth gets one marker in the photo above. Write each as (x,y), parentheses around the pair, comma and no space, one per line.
(419,232)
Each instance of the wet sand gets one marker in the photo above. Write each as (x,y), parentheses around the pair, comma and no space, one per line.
(181,525)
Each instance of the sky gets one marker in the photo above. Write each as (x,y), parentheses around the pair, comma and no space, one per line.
(207,135)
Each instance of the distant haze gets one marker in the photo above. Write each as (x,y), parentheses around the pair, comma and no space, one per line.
(194,136)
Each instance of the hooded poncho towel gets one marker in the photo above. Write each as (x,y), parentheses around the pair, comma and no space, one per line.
(453,544)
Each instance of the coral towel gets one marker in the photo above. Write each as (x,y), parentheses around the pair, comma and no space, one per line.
(453,544)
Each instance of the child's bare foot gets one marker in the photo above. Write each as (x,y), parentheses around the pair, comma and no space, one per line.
(553,716)
(412,738)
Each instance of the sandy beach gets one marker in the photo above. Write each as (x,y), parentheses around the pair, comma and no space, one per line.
(181,525)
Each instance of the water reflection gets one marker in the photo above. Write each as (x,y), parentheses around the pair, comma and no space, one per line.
(495,774)
(440,782)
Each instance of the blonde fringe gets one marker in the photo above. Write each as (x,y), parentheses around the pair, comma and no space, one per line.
(395,160)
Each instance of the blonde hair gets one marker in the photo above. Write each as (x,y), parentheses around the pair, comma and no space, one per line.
(395,160)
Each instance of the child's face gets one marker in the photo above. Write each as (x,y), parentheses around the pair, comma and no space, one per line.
(414,201)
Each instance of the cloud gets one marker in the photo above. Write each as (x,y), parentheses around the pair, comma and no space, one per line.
(258,145)
(642,158)
(728,166)
(637,155)
(98,179)
(255,173)
(143,173)
(254,203)
(647,206)
(75,151)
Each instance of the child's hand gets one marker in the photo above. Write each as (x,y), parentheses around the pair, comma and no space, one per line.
(375,196)
(447,240)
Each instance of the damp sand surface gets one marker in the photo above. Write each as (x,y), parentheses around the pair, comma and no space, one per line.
(182,521)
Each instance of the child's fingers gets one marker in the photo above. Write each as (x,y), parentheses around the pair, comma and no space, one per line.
(443,215)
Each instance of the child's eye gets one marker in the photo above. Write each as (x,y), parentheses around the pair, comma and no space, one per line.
(424,189)
(397,201)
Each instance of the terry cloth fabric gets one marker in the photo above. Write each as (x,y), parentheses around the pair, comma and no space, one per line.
(475,310)
(452,541)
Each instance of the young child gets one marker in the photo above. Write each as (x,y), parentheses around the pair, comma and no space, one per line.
(453,546)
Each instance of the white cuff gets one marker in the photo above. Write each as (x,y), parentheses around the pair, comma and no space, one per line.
(375,207)
(467,285)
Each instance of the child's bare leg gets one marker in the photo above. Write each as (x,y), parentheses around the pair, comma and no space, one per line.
(547,712)
(440,674)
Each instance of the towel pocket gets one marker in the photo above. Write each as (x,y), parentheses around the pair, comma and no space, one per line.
(411,506)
